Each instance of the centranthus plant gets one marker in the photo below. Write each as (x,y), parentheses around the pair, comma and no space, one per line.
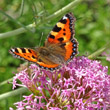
(83,84)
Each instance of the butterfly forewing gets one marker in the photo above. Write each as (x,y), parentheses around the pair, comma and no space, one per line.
(63,31)
(24,53)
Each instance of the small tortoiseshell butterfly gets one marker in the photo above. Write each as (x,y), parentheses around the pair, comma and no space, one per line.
(59,48)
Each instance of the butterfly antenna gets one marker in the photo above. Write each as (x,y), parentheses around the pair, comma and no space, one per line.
(41,39)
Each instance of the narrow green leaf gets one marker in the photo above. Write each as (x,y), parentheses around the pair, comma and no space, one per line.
(15,21)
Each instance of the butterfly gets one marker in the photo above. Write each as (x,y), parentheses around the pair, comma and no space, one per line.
(59,47)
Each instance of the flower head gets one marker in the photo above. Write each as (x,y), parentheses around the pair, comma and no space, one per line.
(83,84)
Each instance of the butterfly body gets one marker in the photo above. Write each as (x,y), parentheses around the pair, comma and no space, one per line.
(59,48)
(53,54)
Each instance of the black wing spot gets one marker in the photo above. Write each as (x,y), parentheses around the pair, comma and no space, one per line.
(63,21)
(62,45)
(51,36)
(74,53)
(28,56)
(23,50)
(64,33)
(56,28)
(33,57)
(39,60)
(74,49)
(60,39)
(29,50)
(74,45)
(51,69)
(64,30)
(16,50)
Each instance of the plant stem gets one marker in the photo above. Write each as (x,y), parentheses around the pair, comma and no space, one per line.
(13,93)
(64,9)
(31,26)
(98,52)
(6,81)
(16,31)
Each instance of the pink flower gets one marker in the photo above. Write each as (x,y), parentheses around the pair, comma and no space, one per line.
(83,84)
(30,103)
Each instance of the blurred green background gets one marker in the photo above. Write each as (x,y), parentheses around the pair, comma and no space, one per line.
(92,31)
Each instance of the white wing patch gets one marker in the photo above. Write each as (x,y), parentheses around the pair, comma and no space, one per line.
(64,17)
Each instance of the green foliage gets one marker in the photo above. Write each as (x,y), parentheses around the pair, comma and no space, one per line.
(92,30)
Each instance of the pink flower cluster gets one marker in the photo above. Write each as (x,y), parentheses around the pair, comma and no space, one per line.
(83,84)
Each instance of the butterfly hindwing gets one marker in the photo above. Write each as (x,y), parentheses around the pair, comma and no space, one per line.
(33,56)
(71,48)
(48,66)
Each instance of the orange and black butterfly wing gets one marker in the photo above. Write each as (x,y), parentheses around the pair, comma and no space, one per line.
(33,56)
(71,48)
(24,53)
(63,33)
